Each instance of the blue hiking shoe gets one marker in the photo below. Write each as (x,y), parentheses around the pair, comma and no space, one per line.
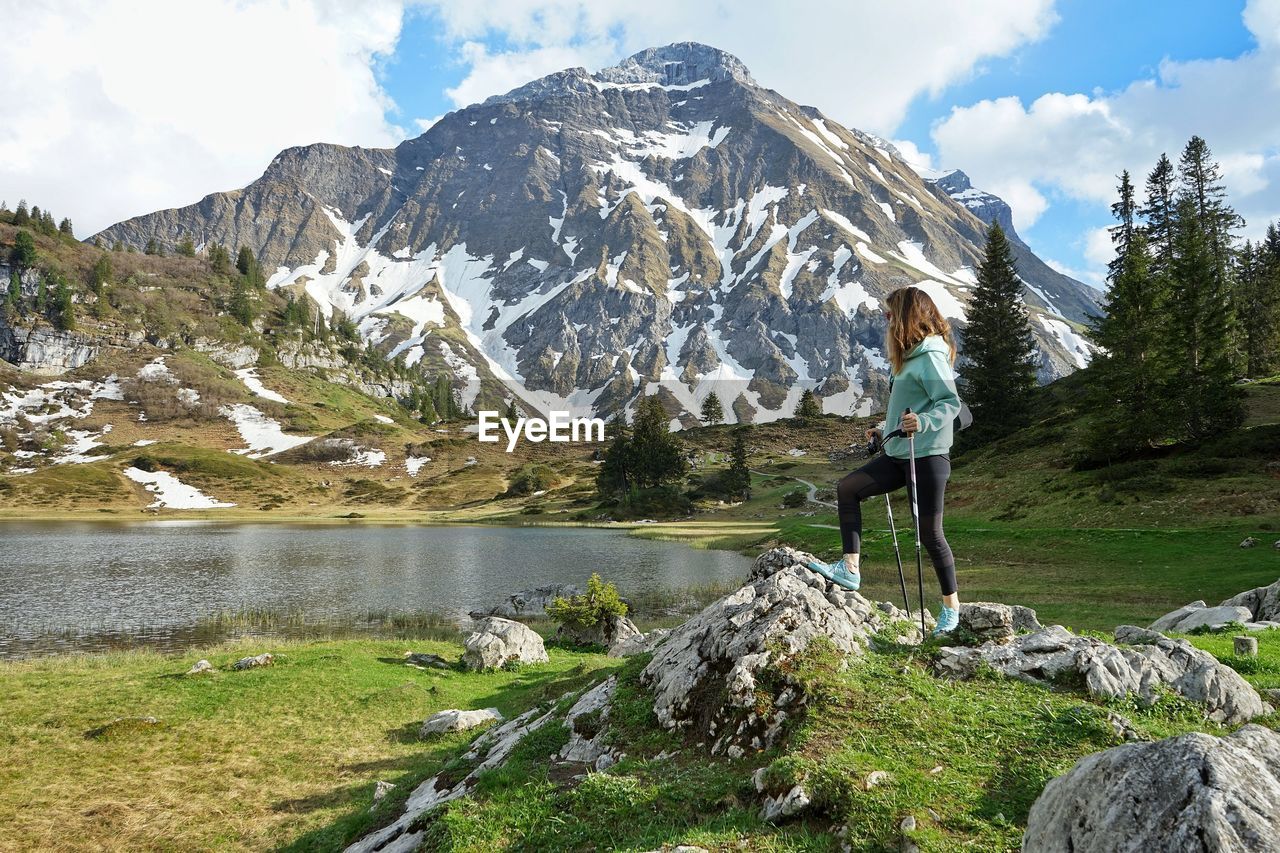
(948,619)
(836,573)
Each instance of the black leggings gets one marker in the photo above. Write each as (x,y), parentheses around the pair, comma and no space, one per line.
(886,474)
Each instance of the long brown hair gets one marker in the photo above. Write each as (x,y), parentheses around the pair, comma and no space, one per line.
(913,317)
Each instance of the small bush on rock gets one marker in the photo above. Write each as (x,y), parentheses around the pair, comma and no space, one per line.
(579,612)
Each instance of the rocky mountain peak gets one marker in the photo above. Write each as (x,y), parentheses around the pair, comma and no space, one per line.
(677,64)
(954,182)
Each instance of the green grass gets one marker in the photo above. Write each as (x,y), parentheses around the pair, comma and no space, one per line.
(240,760)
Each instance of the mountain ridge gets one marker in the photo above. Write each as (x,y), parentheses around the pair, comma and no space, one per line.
(664,226)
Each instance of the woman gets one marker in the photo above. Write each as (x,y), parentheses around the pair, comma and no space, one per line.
(921,353)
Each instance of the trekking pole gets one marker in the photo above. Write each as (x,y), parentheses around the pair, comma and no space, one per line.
(915,518)
(897,552)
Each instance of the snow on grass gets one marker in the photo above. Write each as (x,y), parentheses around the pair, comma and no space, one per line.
(172,493)
(413,464)
(264,435)
(249,376)
(828,135)
(363,457)
(383,419)
(888,210)
(79,443)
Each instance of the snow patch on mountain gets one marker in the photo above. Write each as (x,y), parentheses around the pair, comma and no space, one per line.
(172,493)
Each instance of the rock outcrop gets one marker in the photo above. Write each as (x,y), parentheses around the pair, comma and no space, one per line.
(1194,792)
(1198,615)
(497,642)
(638,644)
(529,602)
(707,676)
(454,720)
(1263,602)
(1055,655)
(606,632)
(989,621)
(586,721)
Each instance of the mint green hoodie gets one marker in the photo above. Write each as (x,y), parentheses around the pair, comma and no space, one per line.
(927,386)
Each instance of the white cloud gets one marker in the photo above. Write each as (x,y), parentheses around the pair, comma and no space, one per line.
(862,61)
(1076,144)
(114,108)
(495,73)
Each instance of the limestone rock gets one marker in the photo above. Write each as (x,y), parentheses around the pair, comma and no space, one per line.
(1192,792)
(1249,542)
(990,621)
(1263,603)
(606,632)
(705,675)
(455,720)
(1054,654)
(586,721)
(783,806)
(201,668)
(497,642)
(638,644)
(529,602)
(1198,615)
(264,659)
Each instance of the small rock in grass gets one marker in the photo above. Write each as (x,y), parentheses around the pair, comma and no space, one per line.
(1123,728)
(875,777)
(381,789)
(263,659)
(935,771)
(202,667)
(123,727)
(1276,545)
(425,661)
(1272,694)
(1248,542)
(455,720)
(1245,647)
(787,805)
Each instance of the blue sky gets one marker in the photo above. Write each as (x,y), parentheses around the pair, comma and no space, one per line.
(1041,101)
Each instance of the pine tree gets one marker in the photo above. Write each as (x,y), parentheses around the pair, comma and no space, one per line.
(712,410)
(1128,377)
(512,414)
(13,295)
(1260,308)
(808,408)
(1157,213)
(999,372)
(21,217)
(446,405)
(657,454)
(245,260)
(219,259)
(100,275)
(47,225)
(1201,184)
(64,227)
(64,308)
(118,247)
(186,248)
(23,255)
(42,294)
(737,480)
(153,248)
(1198,339)
(241,307)
(614,477)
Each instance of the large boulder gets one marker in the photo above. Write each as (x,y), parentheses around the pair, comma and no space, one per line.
(528,602)
(1263,602)
(496,642)
(1198,615)
(706,676)
(1194,792)
(638,644)
(1054,655)
(606,632)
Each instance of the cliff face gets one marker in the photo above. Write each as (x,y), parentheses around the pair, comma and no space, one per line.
(665,226)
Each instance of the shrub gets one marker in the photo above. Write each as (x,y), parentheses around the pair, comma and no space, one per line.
(600,601)
(532,478)
(795,498)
